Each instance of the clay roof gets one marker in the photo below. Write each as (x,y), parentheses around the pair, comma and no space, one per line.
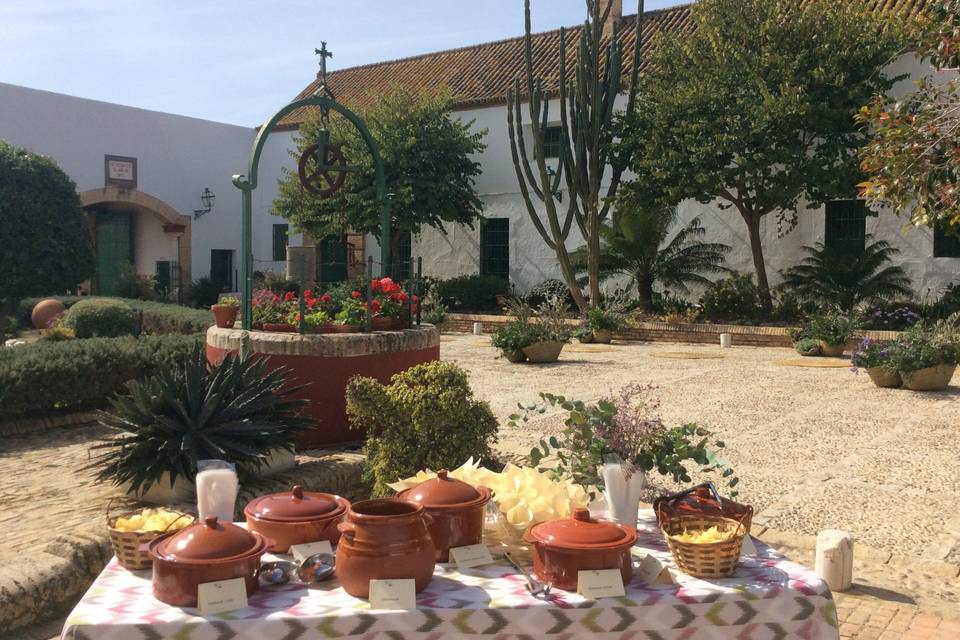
(482,74)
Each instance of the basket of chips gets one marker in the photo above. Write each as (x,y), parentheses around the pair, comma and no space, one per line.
(704,546)
(131,530)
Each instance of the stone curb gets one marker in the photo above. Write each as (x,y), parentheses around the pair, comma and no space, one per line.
(45,423)
(327,345)
(49,582)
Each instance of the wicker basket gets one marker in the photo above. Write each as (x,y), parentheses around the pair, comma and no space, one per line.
(701,500)
(711,560)
(127,545)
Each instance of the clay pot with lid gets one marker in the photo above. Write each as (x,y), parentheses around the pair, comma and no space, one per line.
(384,540)
(207,551)
(456,509)
(296,517)
(566,546)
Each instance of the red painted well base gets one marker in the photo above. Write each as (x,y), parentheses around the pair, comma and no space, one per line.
(327,378)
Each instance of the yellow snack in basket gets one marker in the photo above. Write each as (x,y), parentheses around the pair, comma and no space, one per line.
(150,519)
(703,536)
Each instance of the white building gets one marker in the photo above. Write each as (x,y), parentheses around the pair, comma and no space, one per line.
(142,175)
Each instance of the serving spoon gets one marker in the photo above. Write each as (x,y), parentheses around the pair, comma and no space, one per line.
(534,586)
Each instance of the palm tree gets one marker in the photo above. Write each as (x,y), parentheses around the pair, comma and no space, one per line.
(846,279)
(631,246)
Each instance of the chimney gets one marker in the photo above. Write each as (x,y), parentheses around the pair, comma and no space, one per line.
(616,12)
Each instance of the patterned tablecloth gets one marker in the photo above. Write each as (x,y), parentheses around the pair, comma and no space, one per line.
(769,598)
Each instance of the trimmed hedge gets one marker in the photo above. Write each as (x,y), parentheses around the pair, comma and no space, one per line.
(155,317)
(76,374)
(102,318)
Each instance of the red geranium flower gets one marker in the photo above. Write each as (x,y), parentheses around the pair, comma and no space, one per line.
(308,293)
(416,298)
(375,284)
(288,296)
(356,295)
(325,298)
(375,306)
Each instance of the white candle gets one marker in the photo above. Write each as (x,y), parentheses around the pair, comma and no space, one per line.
(217,493)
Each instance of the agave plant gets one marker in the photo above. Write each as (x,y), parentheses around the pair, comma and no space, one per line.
(236,411)
(844,279)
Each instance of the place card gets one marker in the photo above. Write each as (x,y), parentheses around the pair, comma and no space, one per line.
(600,583)
(222,596)
(393,594)
(471,555)
(301,552)
(654,571)
(748,548)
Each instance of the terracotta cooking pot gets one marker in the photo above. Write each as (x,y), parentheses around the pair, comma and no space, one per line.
(384,540)
(564,547)
(455,508)
(207,551)
(296,517)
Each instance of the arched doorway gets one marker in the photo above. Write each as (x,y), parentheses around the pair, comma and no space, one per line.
(132,227)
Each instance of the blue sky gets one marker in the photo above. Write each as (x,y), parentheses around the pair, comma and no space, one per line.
(238,61)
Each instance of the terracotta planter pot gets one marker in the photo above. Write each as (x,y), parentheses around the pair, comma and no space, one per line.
(388,323)
(456,510)
(603,335)
(204,552)
(831,350)
(564,547)
(587,339)
(543,351)
(884,377)
(930,379)
(336,327)
(225,314)
(384,540)
(282,327)
(296,517)
(514,356)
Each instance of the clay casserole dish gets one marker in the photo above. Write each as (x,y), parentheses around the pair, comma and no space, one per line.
(296,517)
(206,551)
(566,546)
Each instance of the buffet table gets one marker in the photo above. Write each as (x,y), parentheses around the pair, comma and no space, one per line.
(770,597)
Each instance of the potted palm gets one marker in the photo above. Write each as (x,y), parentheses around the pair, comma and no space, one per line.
(225,311)
(236,411)
(926,357)
(874,357)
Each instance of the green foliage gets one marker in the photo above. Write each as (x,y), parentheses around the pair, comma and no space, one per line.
(834,327)
(57,333)
(547,290)
(44,239)
(76,374)
(756,111)
(605,318)
(229,301)
(514,336)
(351,312)
(807,346)
(236,411)
(155,317)
(428,158)
(913,158)
(204,292)
(839,278)
(102,318)
(471,293)
(923,346)
(733,298)
(426,418)
(131,284)
(871,353)
(631,245)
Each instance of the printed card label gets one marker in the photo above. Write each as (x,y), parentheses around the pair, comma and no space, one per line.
(301,552)
(748,548)
(654,571)
(222,596)
(600,583)
(473,555)
(393,594)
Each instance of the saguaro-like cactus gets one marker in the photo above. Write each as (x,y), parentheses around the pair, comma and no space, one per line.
(586,99)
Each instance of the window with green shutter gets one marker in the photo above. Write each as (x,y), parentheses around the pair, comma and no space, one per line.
(845,226)
(280,235)
(946,241)
(552,137)
(495,247)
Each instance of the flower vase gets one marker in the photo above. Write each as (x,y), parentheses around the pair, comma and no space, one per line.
(623,483)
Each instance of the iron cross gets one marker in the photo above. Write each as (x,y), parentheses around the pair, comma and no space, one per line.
(324,54)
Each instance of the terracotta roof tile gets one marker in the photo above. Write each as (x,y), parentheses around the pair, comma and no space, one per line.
(482,74)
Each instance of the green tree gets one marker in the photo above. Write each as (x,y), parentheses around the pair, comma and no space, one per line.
(632,246)
(44,239)
(428,161)
(913,158)
(755,110)
(839,278)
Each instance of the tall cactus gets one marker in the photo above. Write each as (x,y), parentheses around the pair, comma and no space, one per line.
(586,121)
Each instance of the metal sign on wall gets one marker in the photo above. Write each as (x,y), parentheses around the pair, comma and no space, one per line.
(120,171)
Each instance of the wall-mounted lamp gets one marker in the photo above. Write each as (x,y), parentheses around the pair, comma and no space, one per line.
(207,198)
(558,194)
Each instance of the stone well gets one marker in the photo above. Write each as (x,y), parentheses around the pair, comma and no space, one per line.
(325,362)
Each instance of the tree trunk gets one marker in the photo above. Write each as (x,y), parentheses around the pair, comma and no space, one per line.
(756,248)
(567,271)
(645,293)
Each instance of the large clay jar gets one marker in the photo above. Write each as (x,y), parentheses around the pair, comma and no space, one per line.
(456,510)
(45,312)
(384,540)
(296,517)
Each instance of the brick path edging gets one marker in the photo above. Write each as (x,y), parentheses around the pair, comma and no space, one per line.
(47,422)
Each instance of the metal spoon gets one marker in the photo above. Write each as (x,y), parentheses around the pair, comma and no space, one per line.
(534,586)
(316,568)
(278,572)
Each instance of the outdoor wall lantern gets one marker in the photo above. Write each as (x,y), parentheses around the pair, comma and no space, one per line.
(207,198)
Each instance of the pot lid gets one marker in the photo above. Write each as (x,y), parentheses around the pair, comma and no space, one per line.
(444,491)
(208,540)
(295,505)
(582,532)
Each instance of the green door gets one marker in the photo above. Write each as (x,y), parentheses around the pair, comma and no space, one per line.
(114,249)
(333,259)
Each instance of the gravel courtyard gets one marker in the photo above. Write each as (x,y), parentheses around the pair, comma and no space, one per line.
(814,448)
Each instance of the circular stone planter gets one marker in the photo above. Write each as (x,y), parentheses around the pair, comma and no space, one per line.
(930,379)
(326,362)
(542,352)
(884,377)
(831,350)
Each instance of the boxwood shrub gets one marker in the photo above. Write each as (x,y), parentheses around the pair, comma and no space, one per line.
(155,317)
(76,374)
(102,318)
